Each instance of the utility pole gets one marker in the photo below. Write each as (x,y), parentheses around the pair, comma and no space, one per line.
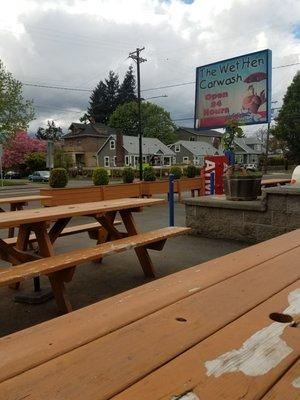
(135,55)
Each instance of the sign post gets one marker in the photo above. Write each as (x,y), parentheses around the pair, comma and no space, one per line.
(237,89)
(50,158)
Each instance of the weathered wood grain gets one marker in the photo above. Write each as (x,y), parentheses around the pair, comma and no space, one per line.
(30,347)
(106,366)
(241,361)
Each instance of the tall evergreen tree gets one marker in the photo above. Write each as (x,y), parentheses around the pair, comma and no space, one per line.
(98,108)
(127,91)
(287,127)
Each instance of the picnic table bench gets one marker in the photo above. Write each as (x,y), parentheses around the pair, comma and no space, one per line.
(34,226)
(201,333)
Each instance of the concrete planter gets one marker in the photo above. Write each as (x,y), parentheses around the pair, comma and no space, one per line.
(242,188)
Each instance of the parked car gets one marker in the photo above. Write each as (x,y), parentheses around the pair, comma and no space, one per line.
(39,176)
(251,167)
(12,175)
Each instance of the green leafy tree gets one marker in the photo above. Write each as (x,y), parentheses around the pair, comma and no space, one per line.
(52,132)
(62,159)
(156,122)
(127,90)
(287,127)
(15,111)
(35,161)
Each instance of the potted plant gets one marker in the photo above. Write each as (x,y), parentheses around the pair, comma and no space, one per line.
(239,184)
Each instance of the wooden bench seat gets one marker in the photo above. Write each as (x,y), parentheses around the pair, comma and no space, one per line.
(92,228)
(60,268)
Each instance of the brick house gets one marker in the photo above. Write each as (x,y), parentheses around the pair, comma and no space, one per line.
(83,140)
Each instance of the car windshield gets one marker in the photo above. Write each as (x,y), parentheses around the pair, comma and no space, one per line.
(44,173)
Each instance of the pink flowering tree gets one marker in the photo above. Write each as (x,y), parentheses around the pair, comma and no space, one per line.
(19,147)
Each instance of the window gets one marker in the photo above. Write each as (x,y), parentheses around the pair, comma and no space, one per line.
(106,161)
(144,159)
(177,148)
(185,160)
(115,160)
(167,161)
(192,139)
(127,160)
(112,145)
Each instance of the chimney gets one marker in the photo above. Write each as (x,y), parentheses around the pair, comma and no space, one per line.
(120,152)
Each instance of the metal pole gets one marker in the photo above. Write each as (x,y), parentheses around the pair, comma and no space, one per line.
(171,200)
(267,150)
(212,183)
(139,114)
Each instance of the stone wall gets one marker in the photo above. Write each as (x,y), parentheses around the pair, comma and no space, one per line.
(276,212)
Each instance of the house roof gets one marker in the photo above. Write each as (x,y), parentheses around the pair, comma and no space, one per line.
(208,133)
(95,130)
(197,148)
(242,144)
(252,140)
(151,146)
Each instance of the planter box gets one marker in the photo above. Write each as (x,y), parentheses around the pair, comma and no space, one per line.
(63,196)
(122,190)
(242,188)
(156,187)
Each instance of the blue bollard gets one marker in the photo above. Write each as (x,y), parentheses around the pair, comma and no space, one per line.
(212,183)
(171,200)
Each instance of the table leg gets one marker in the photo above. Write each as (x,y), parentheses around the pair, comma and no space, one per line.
(14,207)
(56,279)
(141,252)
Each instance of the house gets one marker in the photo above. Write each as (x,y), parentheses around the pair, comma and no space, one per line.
(154,152)
(194,135)
(193,152)
(247,153)
(255,143)
(83,140)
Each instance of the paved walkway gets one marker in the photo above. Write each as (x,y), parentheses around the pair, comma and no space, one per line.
(93,282)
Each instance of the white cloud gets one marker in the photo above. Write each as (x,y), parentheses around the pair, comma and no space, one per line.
(76,42)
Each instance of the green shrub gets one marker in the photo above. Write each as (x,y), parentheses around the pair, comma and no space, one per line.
(276,160)
(149,174)
(128,175)
(100,177)
(58,178)
(176,171)
(191,171)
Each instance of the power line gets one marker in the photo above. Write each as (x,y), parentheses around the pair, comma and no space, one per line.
(144,90)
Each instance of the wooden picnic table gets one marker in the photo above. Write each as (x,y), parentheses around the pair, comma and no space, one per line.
(202,333)
(274,182)
(38,220)
(17,203)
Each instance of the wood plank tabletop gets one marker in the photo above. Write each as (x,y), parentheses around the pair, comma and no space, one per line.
(274,181)
(202,333)
(22,199)
(13,219)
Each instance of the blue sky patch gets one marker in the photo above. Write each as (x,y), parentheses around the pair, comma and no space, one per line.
(296,31)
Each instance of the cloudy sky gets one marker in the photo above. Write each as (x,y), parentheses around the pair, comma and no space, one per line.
(74,44)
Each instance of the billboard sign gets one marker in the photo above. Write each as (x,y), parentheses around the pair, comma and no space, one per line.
(237,89)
